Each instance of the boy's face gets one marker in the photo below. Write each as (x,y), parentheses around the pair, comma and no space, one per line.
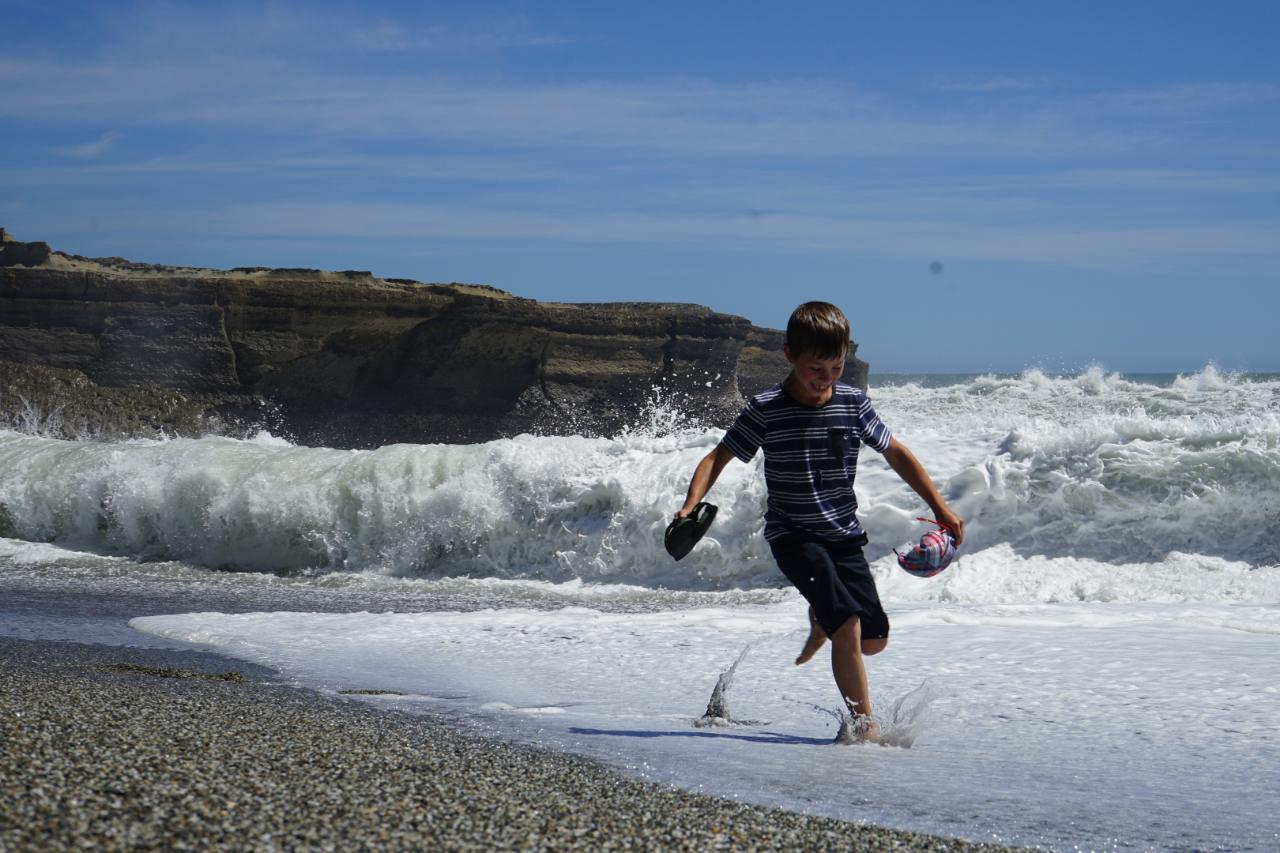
(815,376)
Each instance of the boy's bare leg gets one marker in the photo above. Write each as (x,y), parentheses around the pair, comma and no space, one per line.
(816,638)
(850,670)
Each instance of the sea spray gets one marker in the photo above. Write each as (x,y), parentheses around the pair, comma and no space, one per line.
(853,728)
(850,728)
(907,716)
(717,713)
(30,419)
(899,727)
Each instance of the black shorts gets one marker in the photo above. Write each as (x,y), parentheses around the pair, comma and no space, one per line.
(835,578)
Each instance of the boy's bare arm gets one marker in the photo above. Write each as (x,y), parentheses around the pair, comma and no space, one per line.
(704,477)
(904,462)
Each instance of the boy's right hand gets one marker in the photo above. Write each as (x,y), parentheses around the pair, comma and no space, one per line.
(704,477)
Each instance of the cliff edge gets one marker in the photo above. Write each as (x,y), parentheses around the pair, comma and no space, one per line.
(347,359)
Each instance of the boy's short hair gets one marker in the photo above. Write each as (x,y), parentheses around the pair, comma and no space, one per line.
(818,329)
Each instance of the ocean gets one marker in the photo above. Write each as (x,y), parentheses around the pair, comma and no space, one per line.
(1100,669)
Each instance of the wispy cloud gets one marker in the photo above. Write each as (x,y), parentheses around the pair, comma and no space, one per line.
(979,84)
(489,34)
(477,169)
(332,36)
(89,150)
(285,70)
(955,233)
(1181,100)
(701,118)
(1023,170)
(1065,245)
(1082,183)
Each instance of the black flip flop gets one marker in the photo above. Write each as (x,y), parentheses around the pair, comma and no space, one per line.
(684,533)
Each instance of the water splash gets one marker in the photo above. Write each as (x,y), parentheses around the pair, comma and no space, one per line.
(850,728)
(907,716)
(717,713)
(30,419)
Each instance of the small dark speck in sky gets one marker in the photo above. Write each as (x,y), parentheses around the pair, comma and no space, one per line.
(935,267)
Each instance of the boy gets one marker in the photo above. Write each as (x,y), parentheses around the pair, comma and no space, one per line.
(811,427)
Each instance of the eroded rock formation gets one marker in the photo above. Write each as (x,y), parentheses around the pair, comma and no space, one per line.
(347,359)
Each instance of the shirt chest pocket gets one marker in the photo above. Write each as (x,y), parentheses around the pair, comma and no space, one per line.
(829,454)
(839,444)
(839,447)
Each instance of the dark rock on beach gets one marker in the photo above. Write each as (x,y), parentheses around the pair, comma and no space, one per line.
(347,359)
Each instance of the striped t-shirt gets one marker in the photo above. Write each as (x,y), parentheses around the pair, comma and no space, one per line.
(810,458)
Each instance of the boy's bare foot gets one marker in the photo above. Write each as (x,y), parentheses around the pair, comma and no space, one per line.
(870,732)
(858,729)
(816,639)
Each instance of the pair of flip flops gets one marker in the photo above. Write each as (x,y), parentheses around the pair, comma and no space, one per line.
(683,533)
(931,555)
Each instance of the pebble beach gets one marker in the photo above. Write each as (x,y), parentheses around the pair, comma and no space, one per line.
(117,748)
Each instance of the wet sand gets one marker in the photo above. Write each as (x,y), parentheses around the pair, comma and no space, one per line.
(112,747)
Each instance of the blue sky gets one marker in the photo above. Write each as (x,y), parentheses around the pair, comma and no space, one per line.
(982,186)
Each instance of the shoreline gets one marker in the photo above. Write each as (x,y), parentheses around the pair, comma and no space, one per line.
(142,747)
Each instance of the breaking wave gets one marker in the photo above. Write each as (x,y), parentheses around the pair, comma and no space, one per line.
(1095,467)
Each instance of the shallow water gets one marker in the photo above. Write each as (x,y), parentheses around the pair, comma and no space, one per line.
(1060,725)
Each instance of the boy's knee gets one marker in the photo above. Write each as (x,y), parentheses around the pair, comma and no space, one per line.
(874,647)
(848,634)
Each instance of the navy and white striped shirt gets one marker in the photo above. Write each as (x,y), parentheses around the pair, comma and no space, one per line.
(810,458)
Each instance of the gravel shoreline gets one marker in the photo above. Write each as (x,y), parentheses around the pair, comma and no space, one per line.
(112,748)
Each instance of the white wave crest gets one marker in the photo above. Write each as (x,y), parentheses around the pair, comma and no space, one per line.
(1094,467)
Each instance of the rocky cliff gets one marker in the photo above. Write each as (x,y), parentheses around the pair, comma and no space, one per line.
(348,359)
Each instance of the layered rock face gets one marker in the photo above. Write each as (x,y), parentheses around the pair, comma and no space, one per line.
(347,359)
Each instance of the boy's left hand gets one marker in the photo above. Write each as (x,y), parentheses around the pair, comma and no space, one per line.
(952,522)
